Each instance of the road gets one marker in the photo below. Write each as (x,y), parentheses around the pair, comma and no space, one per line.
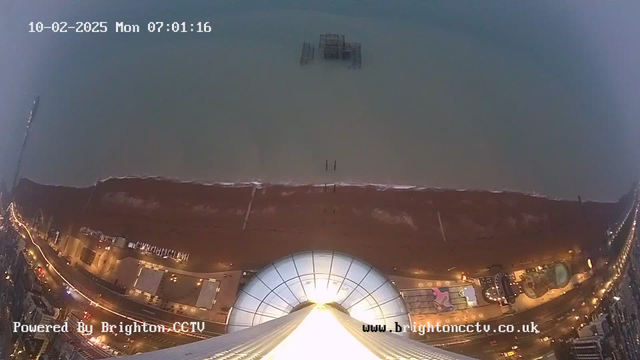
(110,299)
(117,302)
(137,342)
(555,319)
(111,307)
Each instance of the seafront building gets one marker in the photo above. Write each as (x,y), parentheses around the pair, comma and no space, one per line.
(314,305)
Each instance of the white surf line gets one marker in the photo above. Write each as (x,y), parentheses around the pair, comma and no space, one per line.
(15,218)
(246,216)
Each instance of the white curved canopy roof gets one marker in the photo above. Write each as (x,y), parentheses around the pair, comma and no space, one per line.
(318,277)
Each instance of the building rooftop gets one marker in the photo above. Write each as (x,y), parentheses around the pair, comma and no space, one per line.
(318,277)
(314,332)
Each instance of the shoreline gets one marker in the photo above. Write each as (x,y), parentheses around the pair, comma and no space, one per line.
(345,184)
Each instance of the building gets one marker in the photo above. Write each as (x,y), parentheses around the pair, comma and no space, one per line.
(500,288)
(63,348)
(70,345)
(313,305)
(598,326)
(37,311)
(587,348)
(320,278)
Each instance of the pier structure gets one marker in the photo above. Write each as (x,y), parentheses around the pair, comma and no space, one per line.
(356,58)
(334,47)
(308,51)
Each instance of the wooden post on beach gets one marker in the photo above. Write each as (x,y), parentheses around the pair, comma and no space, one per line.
(335,166)
(582,211)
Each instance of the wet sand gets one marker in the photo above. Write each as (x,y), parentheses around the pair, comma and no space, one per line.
(391,228)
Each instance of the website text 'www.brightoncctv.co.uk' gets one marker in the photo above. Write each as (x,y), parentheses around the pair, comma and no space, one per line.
(466,328)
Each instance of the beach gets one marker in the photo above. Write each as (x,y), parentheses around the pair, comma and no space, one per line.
(396,229)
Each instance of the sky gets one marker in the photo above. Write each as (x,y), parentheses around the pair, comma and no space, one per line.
(498,95)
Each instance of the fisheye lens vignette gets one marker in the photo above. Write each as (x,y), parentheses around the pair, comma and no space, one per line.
(313,180)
